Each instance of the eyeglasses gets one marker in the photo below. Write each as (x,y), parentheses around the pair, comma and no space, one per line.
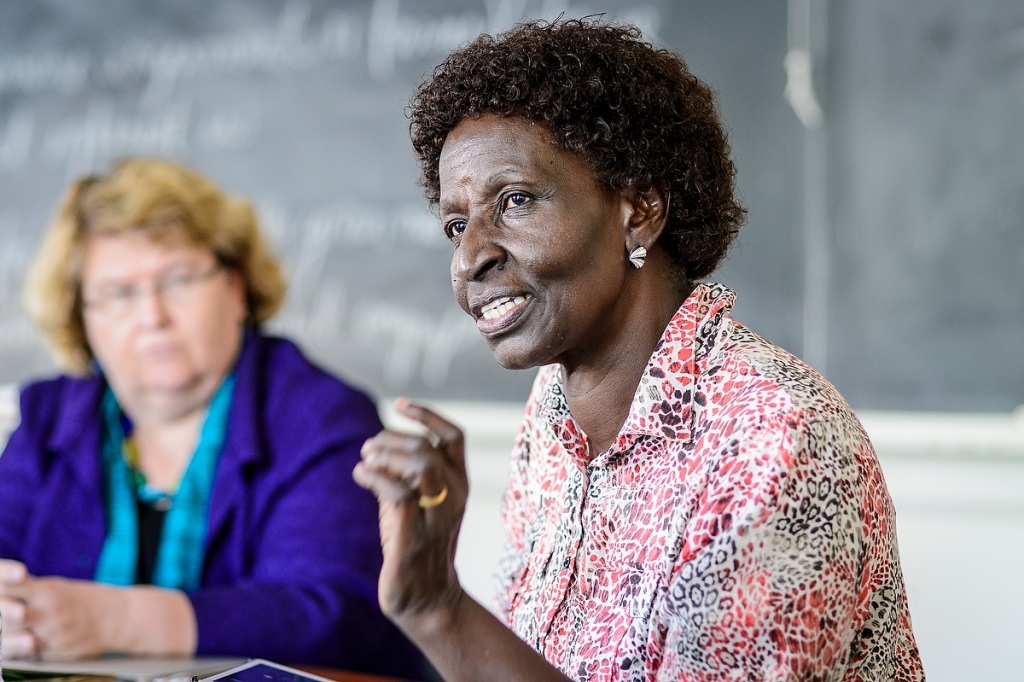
(173,288)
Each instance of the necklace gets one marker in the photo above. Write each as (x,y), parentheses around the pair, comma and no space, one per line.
(159,499)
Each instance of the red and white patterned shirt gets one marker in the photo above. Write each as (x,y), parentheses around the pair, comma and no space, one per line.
(739,528)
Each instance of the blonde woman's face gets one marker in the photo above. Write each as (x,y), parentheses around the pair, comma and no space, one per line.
(164,321)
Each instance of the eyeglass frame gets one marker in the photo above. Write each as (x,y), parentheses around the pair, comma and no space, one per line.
(121,301)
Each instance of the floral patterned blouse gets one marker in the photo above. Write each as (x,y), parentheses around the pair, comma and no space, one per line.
(739,528)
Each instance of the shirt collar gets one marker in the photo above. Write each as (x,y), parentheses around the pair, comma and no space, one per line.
(663,402)
(662,405)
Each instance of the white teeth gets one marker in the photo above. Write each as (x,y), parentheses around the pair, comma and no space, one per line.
(499,307)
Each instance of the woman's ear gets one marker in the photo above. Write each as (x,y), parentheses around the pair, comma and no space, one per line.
(239,301)
(647,216)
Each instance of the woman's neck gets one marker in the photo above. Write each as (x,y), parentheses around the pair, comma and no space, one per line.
(600,393)
(165,448)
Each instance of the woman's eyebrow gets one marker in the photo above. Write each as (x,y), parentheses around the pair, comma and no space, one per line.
(107,278)
(490,186)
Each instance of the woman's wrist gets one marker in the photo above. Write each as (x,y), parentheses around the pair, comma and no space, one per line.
(437,620)
(150,621)
(121,631)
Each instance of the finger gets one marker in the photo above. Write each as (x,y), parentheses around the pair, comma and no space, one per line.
(389,439)
(16,591)
(14,613)
(12,571)
(386,487)
(408,458)
(20,644)
(450,437)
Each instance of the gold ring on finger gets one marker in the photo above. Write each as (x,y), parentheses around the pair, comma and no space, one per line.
(429,501)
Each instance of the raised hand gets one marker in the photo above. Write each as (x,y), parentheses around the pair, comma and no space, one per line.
(421,485)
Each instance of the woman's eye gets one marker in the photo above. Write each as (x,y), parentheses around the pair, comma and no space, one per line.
(118,294)
(514,200)
(454,228)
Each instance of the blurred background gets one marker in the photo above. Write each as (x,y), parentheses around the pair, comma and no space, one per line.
(880,147)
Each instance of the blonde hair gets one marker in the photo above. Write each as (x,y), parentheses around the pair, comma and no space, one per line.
(163,198)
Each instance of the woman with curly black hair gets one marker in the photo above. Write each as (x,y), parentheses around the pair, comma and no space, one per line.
(687,501)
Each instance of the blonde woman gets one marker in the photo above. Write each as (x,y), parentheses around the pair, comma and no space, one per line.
(186,487)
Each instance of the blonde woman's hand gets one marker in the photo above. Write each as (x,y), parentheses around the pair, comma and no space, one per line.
(53,618)
(17,639)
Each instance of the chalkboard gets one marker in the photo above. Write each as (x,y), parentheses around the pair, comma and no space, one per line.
(300,105)
(927,149)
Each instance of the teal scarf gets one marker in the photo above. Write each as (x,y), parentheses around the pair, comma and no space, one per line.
(179,561)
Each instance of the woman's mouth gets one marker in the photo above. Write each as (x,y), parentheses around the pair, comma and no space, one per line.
(500,307)
(500,313)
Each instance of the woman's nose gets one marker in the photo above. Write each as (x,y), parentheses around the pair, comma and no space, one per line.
(477,253)
(150,307)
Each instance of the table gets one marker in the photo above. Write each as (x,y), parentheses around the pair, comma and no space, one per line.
(131,669)
(344,676)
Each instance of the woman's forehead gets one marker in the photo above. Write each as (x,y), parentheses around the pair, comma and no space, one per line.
(495,141)
(129,250)
(170,234)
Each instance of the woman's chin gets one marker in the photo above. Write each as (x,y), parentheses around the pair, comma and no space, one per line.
(512,356)
(167,380)
(167,393)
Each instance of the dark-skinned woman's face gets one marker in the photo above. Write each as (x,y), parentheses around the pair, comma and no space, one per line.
(539,244)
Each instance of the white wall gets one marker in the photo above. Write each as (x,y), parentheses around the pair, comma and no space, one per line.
(8,410)
(958,485)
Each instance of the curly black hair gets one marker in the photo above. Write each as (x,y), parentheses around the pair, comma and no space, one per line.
(634,112)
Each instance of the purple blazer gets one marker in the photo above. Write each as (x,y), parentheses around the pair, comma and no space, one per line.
(293,546)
